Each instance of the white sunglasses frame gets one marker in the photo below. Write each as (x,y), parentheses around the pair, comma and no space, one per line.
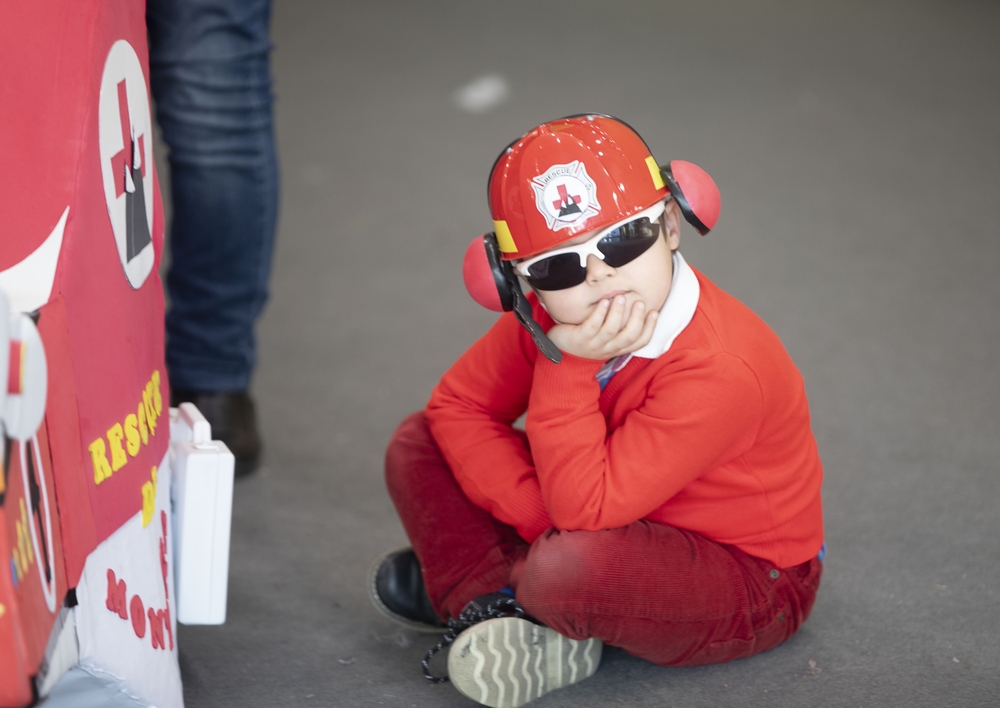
(589,246)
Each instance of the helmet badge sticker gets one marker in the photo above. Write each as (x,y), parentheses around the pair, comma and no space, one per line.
(565,194)
(126,145)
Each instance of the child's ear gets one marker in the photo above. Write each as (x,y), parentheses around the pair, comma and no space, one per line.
(672,225)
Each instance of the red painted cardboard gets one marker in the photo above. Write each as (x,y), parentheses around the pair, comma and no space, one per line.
(34,551)
(116,332)
(52,137)
(74,106)
(62,422)
(15,680)
(44,47)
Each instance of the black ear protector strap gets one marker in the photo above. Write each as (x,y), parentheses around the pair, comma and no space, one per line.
(678,194)
(512,298)
(500,279)
(522,311)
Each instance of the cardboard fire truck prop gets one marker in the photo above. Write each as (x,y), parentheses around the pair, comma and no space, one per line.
(97,563)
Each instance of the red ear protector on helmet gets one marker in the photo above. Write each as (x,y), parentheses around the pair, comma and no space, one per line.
(492,283)
(695,193)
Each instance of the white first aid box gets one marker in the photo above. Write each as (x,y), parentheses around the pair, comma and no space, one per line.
(202,494)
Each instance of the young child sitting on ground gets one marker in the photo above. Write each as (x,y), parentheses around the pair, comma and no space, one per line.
(664,496)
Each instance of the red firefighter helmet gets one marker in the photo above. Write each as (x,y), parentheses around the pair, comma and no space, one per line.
(568,177)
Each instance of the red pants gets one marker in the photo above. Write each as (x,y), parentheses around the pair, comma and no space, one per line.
(661,593)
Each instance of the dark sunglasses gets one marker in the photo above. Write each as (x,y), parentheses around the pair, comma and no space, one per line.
(567,267)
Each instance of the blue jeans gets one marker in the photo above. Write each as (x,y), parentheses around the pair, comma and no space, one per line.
(212,88)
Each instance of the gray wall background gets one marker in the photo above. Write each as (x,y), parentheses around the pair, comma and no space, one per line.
(856,148)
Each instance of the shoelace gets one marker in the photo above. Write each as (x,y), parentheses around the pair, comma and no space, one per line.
(497,607)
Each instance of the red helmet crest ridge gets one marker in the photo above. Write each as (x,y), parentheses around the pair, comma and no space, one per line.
(568,177)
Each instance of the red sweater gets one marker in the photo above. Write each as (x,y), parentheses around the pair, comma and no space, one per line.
(712,436)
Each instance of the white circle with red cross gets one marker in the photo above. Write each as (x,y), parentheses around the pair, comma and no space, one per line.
(565,194)
(126,142)
(24,378)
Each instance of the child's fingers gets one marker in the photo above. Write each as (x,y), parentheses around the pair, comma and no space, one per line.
(633,326)
(637,318)
(614,321)
(648,325)
(595,320)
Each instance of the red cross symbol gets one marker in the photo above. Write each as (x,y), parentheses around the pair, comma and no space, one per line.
(123,160)
(564,197)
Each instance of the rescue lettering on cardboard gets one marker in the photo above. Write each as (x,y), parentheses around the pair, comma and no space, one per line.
(125,439)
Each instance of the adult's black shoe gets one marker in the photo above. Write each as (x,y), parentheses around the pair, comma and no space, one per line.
(396,589)
(233,419)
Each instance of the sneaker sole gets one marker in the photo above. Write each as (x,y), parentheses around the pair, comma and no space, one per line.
(389,614)
(506,662)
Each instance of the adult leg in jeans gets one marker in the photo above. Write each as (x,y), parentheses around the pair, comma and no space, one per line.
(464,552)
(211,83)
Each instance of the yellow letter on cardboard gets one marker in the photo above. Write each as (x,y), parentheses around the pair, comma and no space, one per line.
(118,458)
(147,401)
(157,396)
(149,499)
(98,455)
(132,434)
(143,430)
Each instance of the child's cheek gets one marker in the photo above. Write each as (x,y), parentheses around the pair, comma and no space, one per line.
(562,308)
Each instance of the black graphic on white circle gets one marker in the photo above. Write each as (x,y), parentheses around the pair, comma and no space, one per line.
(126,142)
(565,194)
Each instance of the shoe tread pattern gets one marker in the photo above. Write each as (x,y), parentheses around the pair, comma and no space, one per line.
(507,662)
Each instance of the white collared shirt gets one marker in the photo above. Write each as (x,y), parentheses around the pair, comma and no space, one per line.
(677,311)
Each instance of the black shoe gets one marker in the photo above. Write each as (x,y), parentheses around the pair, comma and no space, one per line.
(233,420)
(396,589)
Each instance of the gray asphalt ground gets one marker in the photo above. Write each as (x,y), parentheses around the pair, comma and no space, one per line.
(856,146)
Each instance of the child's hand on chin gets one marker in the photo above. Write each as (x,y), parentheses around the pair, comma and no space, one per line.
(606,332)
